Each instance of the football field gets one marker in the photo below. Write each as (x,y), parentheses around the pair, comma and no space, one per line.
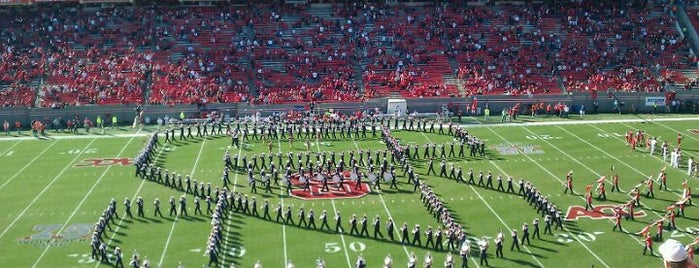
(54,189)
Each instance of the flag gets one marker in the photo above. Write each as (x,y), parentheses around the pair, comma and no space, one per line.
(644,231)
(588,188)
(670,208)
(612,168)
(681,201)
(601,179)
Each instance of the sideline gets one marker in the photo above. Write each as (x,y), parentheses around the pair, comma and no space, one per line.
(479,123)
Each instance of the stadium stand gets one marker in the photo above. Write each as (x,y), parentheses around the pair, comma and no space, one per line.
(266,54)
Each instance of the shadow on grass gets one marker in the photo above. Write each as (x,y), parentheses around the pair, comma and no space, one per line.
(232,239)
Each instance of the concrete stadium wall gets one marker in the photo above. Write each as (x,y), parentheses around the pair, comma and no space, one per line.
(125,114)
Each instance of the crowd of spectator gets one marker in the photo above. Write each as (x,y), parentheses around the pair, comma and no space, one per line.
(281,53)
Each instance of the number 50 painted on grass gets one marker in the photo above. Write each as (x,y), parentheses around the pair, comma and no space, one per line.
(355,246)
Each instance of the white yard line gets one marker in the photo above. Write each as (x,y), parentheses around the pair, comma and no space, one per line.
(10,148)
(609,155)
(579,122)
(41,194)
(686,135)
(27,165)
(89,192)
(561,181)
(648,154)
(496,214)
(342,236)
(78,137)
(172,228)
(228,221)
(281,197)
(669,127)
(589,169)
(383,203)
(143,181)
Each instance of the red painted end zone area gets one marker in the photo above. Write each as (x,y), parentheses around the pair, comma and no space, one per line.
(348,190)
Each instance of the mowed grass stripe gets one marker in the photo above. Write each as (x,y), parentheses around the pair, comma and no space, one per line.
(507,226)
(645,160)
(8,148)
(42,170)
(37,182)
(45,208)
(305,245)
(571,228)
(22,168)
(179,235)
(98,180)
(594,173)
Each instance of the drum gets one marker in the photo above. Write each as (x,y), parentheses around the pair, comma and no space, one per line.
(387,176)
(353,176)
(372,177)
(336,178)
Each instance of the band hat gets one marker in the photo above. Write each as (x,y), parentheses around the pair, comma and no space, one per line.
(673,251)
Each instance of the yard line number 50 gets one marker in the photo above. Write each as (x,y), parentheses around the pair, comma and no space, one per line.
(355,246)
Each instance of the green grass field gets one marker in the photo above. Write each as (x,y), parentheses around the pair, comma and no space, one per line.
(52,194)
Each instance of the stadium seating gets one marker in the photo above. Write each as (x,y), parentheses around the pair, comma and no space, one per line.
(283,54)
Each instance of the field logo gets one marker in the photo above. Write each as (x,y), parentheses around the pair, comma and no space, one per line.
(46,234)
(598,213)
(516,148)
(104,162)
(349,188)
(694,131)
